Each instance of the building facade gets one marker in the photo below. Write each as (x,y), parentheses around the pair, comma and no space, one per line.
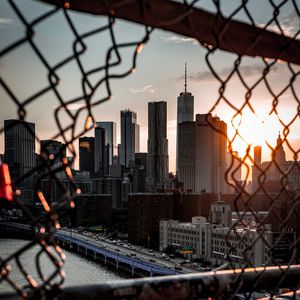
(276,174)
(145,210)
(92,210)
(185,236)
(110,138)
(56,151)
(139,173)
(19,154)
(217,241)
(185,113)
(202,155)
(130,138)
(101,152)
(87,154)
(158,157)
(186,155)
(210,154)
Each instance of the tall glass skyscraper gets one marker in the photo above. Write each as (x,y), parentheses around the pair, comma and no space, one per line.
(130,137)
(185,113)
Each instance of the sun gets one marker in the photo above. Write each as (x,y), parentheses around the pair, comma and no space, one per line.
(250,129)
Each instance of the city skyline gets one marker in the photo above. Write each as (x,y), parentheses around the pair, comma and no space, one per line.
(91,133)
(151,82)
(155,137)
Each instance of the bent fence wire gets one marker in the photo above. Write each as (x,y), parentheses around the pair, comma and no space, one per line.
(255,52)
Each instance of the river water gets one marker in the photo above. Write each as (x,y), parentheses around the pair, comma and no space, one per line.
(79,271)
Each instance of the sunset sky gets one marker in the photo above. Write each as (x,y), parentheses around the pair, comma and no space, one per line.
(158,76)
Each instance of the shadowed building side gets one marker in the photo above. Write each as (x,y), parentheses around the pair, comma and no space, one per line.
(210,154)
(87,154)
(186,155)
(130,138)
(101,152)
(158,158)
(110,138)
(19,154)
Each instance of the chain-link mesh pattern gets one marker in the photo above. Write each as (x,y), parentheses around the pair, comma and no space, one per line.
(274,187)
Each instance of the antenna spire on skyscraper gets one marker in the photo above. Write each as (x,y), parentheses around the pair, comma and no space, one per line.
(185,85)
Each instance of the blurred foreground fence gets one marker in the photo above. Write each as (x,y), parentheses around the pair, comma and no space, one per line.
(257,41)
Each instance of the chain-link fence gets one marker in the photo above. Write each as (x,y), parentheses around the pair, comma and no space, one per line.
(256,84)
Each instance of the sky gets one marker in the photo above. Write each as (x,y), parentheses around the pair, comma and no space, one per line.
(159,75)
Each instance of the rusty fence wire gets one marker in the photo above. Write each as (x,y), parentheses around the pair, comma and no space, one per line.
(255,54)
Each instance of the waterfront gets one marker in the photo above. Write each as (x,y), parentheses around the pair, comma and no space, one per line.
(79,271)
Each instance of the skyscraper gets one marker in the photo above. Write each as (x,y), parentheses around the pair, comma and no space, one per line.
(210,154)
(20,154)
(87,154)
(101,152)
(185,104)
(130,137)
(55,149)
(158,158)
(185,113)
(186,154)
(110,138)
(202,154)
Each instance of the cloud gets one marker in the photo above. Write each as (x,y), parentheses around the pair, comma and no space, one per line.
(4,22)
(145,89)
(179,40)
(72,106)
(287,28)
(246,71)
(290,25)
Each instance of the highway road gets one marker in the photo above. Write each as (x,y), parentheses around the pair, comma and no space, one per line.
(127,249)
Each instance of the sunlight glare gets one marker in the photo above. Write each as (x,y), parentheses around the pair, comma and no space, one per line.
(253,130)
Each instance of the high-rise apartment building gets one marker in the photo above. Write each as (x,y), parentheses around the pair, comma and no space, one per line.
(57,151)
(186,154)
(102,154)
(20,154)
(130,137)
(139,173)
(158,158)
(185,113)
(210,154)
(110,138)
(202,155)
(87,154)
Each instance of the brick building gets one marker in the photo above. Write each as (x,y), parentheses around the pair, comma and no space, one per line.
(145,210)
(92,209)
